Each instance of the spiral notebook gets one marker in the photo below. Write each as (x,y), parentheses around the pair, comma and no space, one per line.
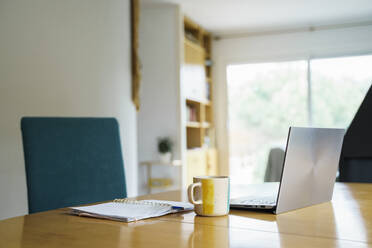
(131,210)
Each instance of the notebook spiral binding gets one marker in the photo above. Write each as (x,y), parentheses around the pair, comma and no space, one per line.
(135,202)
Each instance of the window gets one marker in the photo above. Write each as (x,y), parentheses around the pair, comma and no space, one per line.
(338,86)
(265,99)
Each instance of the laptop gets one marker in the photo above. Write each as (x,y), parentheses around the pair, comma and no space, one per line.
(309,172)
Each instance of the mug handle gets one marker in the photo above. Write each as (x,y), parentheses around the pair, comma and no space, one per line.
(190,193)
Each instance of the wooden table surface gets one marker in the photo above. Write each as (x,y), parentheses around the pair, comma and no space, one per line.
(344,222)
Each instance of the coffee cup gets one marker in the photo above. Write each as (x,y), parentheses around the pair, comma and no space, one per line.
(210,195)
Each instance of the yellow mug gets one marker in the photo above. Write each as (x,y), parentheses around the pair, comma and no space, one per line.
(210,195)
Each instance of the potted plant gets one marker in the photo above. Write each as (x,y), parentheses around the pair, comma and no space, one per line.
(165,149)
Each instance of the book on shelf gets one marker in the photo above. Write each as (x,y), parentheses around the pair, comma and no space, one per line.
(191,114)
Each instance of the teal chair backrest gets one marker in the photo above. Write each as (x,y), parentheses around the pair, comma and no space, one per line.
(72,161)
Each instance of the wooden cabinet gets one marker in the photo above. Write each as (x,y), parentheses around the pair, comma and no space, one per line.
(201,162)
(196,164)
(212,169)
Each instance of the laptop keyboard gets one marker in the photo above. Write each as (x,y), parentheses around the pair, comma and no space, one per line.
(257,201)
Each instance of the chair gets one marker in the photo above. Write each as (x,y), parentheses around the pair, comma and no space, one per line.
(274,165)
(72,161)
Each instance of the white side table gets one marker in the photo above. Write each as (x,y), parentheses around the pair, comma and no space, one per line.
(159,182)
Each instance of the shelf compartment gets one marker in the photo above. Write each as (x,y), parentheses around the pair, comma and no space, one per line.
(192,111)
(194,137)
(193,31)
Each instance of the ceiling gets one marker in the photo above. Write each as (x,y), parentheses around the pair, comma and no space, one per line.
(223,17)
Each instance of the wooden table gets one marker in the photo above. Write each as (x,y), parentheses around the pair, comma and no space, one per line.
(344,222)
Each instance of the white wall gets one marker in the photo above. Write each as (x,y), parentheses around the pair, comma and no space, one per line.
(62,58)
(288,46)
(160,114)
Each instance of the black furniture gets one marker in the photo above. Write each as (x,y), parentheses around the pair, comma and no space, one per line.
(356,156)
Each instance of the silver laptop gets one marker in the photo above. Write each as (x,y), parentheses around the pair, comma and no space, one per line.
(308,176)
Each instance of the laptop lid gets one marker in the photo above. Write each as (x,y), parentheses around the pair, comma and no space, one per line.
(310,167)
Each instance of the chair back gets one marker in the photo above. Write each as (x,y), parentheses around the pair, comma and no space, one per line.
(72,161)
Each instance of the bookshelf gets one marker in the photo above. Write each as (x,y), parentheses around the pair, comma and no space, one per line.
(198,84)
(176,96)
(198,68)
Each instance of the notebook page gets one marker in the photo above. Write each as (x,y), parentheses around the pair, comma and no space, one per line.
(175,205)
(124,211)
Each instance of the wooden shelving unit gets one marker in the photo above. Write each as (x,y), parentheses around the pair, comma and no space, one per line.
(189,79)
(202,156)
(197,45)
